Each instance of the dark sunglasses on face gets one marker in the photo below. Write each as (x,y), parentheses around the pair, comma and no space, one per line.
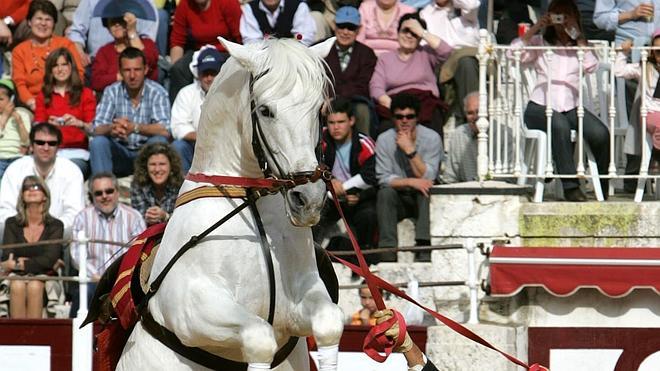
(51,143)
(32,187)
(107,191)
(347,26)
(410,116)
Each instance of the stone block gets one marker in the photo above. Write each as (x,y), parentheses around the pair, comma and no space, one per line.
(450,351)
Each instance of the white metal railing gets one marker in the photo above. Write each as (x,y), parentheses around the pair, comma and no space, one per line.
(504,89)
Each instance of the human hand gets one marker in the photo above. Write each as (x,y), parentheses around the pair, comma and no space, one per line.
(338,187)
(131,22)
(154,215)
(5,34)
(365,315)
(120,127)
(422,185)
(9,264)
(84,57)
(71,120)
(626,46)
(8,110)
(352,199)
(31,104)
(644,10)
(405,141)
(414,26)
(393,332)
(20,265)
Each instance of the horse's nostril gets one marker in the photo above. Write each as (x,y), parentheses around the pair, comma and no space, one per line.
(297,198)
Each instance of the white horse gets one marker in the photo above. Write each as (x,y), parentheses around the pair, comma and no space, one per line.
(216,295)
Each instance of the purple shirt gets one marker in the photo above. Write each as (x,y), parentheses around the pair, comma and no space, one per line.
(393,75)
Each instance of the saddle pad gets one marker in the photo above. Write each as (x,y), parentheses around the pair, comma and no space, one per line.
(121,294)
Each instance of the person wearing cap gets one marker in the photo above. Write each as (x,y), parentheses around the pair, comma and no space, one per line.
(187,106)
(105,69)
(262,19)
(352,63)
(14,127)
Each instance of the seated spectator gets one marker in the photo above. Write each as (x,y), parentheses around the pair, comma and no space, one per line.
(65,102)
(365,315)
(105,67)
(156,182)
(187,106)
(456,23)
(106,220)
(379,24)
(62,176)
(461,164)
(197,23)
(407,161)
(262,19)
(89,34)
(564,88)
(652,93)
(351,64)
(11,14)
(14,127)
(29,57)
(32,223)
(350,156)
(410,69)
(120,130)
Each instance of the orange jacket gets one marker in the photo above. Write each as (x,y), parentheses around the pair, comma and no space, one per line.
(28,62)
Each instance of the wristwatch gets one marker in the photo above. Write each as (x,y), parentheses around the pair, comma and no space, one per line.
(9,21)
(136,129)
(411,155)
(132,36)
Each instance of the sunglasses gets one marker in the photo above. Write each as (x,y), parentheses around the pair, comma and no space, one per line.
(107,191)
(347,26)
(410,116)
(52,143)
(32,187)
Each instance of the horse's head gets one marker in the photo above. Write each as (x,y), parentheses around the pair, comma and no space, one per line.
(288,86)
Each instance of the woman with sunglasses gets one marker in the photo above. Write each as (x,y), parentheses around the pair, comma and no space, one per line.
(31,224)
(410,69)
(67,104)
(105,67)
(156,182)
(29,57)
(379,24)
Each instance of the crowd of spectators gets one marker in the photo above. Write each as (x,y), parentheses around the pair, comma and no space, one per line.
(96,94)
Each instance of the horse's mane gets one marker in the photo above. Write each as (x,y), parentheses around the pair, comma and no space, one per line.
(286,64)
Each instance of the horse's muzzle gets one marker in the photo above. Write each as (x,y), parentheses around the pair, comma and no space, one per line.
(304,203)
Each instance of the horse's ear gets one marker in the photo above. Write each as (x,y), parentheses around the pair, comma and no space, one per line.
(323,48)
(246,56)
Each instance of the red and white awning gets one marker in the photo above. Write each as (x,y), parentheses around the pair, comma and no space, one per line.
(562,271)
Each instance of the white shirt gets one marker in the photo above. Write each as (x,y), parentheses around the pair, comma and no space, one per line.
(458,32)
(633,71)
(65,182)
(303,23)
(186,110)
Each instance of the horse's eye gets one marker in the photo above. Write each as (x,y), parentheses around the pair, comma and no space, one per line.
(265,111)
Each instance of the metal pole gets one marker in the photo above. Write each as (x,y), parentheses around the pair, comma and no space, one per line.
(81,355)
(472,282)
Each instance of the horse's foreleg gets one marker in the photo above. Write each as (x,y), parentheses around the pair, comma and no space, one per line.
(218,322)
(318,313)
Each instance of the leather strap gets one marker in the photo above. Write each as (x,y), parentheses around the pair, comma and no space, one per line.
(202,357)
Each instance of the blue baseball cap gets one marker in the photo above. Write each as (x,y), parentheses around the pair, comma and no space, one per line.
(347,14)
(210,59)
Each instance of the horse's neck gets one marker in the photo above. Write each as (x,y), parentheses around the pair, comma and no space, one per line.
(222,147)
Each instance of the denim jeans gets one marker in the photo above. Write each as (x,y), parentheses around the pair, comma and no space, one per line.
(186,150)
(107,154)
(4,164)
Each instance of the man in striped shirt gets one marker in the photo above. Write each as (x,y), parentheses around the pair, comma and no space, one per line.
(106,220)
